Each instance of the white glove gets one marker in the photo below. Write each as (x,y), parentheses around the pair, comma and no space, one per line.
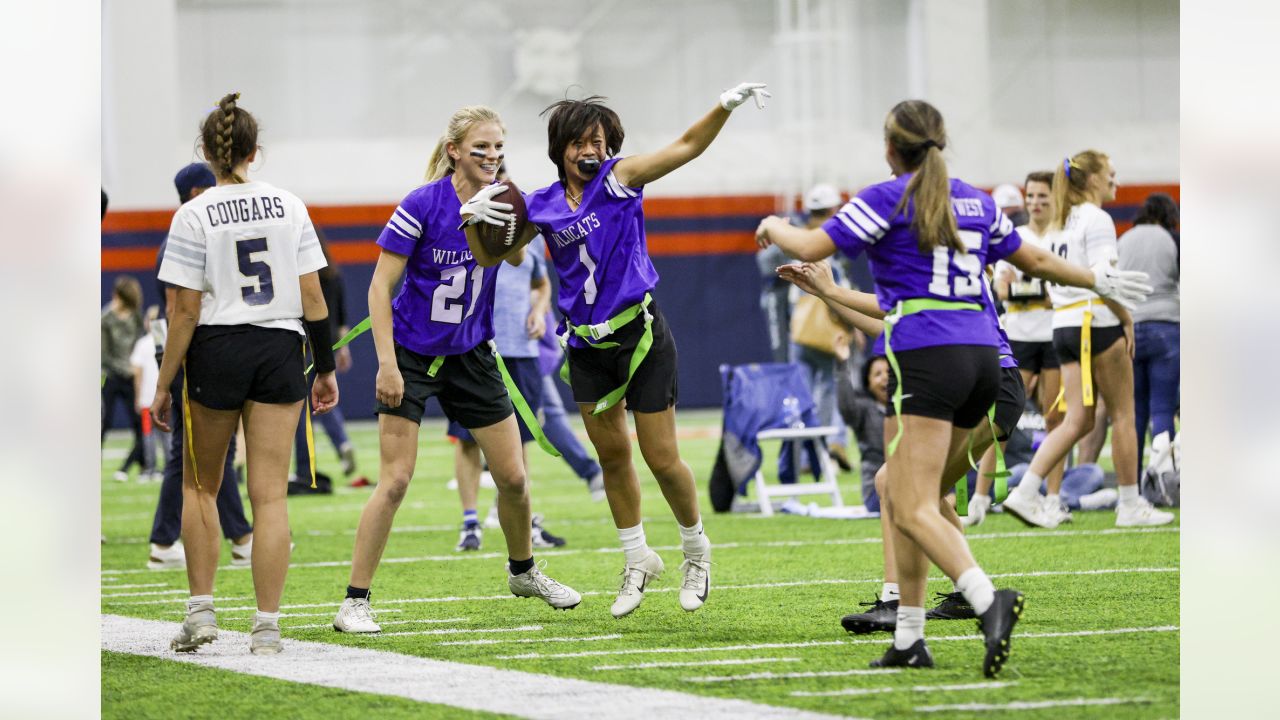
(482,208)
(1127,287)
(730,99)
(979,504)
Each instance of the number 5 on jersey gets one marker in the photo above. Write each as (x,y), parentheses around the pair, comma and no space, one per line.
(258,272)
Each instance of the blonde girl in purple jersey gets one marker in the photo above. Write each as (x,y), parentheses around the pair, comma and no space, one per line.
(928,238)
(434,340)
(621,355)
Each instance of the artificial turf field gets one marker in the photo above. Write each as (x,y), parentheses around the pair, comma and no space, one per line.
(1099,637)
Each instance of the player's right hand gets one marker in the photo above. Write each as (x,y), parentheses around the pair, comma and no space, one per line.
(389,386)
(483,208)
(324,393)
(160,408)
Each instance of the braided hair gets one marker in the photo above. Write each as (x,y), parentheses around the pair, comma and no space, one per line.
(229,135)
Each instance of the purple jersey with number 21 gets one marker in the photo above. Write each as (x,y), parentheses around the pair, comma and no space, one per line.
(599,250)
(446,304)
(867,223)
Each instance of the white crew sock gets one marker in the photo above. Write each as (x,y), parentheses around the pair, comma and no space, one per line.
(889,592)
(693,541)
(197,600)
(910,627)
(976,588)
(1053,500)
(633,544)
(1029,486)
(270,618)
(1128,495)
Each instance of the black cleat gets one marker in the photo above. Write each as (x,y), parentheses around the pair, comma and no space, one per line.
(883,617)
(916,656)
(952,606)
(996,625)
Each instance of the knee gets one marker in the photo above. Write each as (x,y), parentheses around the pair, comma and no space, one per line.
(669,468)
(393,486)
(614,458)
(911,520)
(882,482)
(512,484)
(1078,425)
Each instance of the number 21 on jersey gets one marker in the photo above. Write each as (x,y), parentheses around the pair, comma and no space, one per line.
(445,306)
(969,266)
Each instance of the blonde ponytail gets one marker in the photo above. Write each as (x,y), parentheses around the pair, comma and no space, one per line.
(1071,183)
(915,130)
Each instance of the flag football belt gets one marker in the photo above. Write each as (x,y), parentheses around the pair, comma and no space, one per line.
(1017,306)
(1086,355)
(594,336)
(911,307)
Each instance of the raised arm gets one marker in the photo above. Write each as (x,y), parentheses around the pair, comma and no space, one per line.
(856,308)
(1127,288)
(637,170)
(808,245)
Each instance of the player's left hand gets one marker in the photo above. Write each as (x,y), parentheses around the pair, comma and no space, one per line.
(160,408)
(536,325)
(762,230)
(324,393)
(1126,287)
(732,98)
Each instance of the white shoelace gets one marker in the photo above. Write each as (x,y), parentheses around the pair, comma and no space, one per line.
(695,573)
(362,610)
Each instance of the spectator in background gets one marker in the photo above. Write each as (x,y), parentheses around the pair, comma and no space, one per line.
(555,425)
(1009,199)
(166,527)
(1152,246)
(121,328)
(775,294)
(862,405)
(145,373)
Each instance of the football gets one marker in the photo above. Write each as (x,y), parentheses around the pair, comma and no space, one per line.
(498,239)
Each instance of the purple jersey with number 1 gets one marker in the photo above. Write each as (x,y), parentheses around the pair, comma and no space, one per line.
(446,304)
(599,250)
(868,223)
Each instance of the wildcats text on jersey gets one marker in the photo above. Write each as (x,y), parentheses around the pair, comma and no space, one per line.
(451,257)
(249,209)
(573,233)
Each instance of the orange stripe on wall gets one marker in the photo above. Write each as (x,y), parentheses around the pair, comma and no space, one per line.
(129,259)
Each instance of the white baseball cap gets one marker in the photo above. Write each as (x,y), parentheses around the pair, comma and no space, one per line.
(1007,196)
(822,197)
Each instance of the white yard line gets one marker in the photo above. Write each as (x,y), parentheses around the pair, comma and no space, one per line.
(614,550)
(381,623)
(1031,705)
(113,586)
(916,688)
(460,631)
(145,592)
(791,675)
(471,687)
(246,618)
(821,643)
(701,663)
(539,640)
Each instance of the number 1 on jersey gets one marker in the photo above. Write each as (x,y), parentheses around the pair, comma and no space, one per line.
(589,288)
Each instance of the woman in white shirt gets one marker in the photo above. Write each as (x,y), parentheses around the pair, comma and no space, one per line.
(1093,338)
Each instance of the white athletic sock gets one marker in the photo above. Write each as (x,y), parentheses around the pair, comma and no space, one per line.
(1128,495)
(197,600)
(910,627)
(888,592)
(692,540)
(1029,485)
(977,589)
(1053,500)
(633,544)
(272,618)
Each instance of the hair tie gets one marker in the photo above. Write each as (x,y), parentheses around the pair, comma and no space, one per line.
(924,146)
(1066,167)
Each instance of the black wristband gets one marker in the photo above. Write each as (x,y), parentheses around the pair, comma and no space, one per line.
(321,335)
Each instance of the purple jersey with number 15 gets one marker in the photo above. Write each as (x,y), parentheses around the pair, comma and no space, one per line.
(599,250)
(868,223)
(446,304)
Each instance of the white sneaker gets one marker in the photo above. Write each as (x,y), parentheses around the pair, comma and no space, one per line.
(491,520)
(265,639)
(120,476)
(697,580)
(200,627)
(1103,499)
(469,539)
(595,486)
(169,558)
(535,584)
(355,616)
(635,578)
(1057,510)
(242,555)
(1141,513)
(979,504)
(1029,509)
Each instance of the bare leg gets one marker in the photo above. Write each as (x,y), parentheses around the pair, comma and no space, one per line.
(211,432)
(608,433)
(501,445)
(1050,382)
(466,467)
(398,446)
(269,431)
(886,525)
(1114,374)
(1091,444)
(657,435)
(1077,423)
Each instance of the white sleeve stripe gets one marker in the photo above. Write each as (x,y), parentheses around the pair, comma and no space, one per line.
(611,185)
(183,252)
(407,229)
(854,213)
(308,246)
(186,243)
(854,228)
(408,218)
(180,261)
(399,232)
(619,190)
(864,207)
(1001,228)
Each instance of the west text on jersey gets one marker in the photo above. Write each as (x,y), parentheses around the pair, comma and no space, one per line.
(967,207)
(248,209)
(566,236)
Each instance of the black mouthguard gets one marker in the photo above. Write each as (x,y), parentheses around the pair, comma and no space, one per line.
(589,167)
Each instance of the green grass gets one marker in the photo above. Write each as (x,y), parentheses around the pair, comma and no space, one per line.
(843,555)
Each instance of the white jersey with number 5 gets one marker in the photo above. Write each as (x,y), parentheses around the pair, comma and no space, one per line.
(244,246)
(1087,238)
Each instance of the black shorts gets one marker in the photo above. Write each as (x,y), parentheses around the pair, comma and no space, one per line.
(1066,341)
(956,383)
(468,386)
(527,376)
(229,364)
(1010,402)
(596,372)
(1034,356)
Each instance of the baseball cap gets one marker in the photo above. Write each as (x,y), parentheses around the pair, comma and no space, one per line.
(821,197)
(193,176)
(1007,196)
